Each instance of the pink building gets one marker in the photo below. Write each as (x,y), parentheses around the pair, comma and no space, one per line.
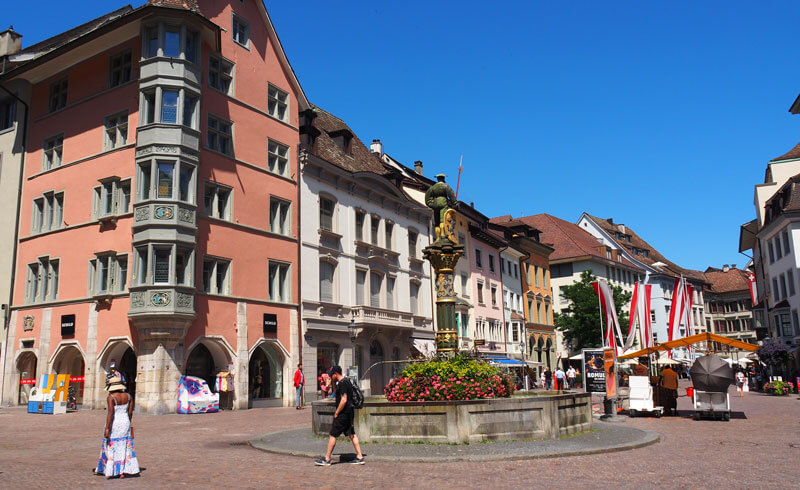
(158,221)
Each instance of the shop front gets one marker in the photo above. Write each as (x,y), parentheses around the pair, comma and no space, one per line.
(266,376)
(26,367)
(69,360)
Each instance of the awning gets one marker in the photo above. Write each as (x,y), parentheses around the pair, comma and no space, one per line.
(576,357)
(426,347)
(505,361)
(693,339)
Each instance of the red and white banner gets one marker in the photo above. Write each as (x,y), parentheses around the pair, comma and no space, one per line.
(609,310)
(681,310)
(647,334)
(640,312)
(751,279)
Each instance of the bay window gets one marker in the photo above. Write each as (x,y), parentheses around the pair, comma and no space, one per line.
(164,104)
(170,41)
(162,174)
(164,264)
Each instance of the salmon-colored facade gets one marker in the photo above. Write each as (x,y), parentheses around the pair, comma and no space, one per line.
(159,207)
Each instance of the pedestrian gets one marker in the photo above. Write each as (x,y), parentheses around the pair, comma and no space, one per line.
(299,382)
(571,374)
(669,383)
(117,457)
(740,382)
(343,418)
(548,378)
(560,378)
(324,384)
(543,380)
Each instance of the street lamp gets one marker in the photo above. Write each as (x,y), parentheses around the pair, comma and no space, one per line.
(351,329)
(524,367)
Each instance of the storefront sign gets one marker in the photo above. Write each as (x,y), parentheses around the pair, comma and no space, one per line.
(27,381)
(77,379)
(594,374)
(270,323)
(67,325)
(611,379)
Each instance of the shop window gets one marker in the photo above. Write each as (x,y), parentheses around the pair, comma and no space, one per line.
(279,282)
(58,95)
(217,201)
(279,216)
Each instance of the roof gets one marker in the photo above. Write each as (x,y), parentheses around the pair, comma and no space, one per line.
(567,239)
(785,199)
(720,281)
(790,155)
(654,259)
(360,159)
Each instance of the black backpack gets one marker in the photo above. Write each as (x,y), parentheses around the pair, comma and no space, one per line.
(355,395)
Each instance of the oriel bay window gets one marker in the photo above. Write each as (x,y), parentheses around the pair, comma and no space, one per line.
(164,264)
(166,104)
(170,41)
(166,179)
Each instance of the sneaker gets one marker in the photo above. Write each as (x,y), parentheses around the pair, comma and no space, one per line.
(358,461)
(323,462)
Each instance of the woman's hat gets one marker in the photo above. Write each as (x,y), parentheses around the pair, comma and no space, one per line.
(115,384)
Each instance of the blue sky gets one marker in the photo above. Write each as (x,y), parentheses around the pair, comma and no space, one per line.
(661,115)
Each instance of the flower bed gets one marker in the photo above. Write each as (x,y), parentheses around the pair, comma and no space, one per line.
(459,378)
(779,388)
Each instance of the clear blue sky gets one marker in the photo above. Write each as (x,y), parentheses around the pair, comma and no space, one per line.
(661,115)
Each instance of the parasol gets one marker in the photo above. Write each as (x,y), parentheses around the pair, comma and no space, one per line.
(710,373)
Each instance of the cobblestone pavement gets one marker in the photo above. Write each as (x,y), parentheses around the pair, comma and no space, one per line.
(758,448)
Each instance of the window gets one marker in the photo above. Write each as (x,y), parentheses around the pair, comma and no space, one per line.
(795,322)
(112,197)
(361,280)
(464,286)
(278,156)
(161,264)
(190,111)
(277,103)
(653,316)
(536,280)
(108,273)
(52,151)
(503,265)
(172,42)
(151,42)
(462,240)
(219,136)
(326,207)
(480,292)
(119,69)
(167,179)
(375,286)
(785,325)
(220,75)
(786,246)
(783,286)
(516,271)
(116,133)
(217,201)
(42,280)
(48,212)
(142,260)
(8,113)
(169,106)
(478,261)
(183,266)
(360,217)
(390,293)
(191,46)
(326,273)
(491,263)
(58,95)
(529,273)
(148,107)
(279,217)
(241,31)
(412,244)
(388,228)
(216,276)
(494,295)
(279,282)
(790,280)
(414,297)
(375,223)
(775,290)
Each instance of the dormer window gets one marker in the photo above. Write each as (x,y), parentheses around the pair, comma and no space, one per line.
(343,139)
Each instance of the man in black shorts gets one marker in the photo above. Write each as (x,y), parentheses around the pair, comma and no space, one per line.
(342,419)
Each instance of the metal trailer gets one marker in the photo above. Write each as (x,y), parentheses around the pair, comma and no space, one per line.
(712,404)
(641,397)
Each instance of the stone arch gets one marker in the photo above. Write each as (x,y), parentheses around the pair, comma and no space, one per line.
(25,368)
(377,376)
(69,358)
(220,351)
(267,374)
(116,349)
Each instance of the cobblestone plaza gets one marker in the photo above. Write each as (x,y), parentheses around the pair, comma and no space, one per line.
(757,448)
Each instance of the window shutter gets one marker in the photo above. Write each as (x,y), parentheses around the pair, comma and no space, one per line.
(375,291)
(361,278)
(326,282)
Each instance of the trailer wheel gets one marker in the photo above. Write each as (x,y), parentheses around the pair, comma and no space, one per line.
(632,413)
(726,417)
(696,416)
(658,414)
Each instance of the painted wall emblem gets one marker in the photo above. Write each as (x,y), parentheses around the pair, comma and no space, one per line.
(160,298)
(27,323)
(164,212)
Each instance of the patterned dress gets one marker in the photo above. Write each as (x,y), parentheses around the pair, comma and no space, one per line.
(117,456)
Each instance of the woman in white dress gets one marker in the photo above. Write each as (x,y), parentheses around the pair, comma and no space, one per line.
(117,458)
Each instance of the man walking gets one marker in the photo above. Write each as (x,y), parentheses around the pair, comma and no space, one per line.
(560,378)
(299,382)
(571,377)
(343,419)
(548,378)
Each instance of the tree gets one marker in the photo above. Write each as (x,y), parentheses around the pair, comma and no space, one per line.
(580,321)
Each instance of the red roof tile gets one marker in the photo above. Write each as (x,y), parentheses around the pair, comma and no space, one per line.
(735,280)
(790,155)
(360,159)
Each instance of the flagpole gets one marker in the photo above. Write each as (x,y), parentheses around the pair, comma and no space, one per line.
(600,305)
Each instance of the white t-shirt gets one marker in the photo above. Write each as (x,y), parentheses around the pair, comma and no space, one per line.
(740,377)
(571,372)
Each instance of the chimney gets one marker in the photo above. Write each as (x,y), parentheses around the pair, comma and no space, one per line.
(726,268)
(472,204)
(418,167)
(733,266)
(376,147)
(10,42)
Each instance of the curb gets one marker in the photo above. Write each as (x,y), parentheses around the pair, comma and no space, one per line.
(646,438)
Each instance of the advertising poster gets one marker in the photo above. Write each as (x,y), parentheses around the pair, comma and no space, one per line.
(611,380)
(594,374)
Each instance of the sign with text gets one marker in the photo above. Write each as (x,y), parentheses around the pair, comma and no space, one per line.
(270,323)
(594,374)
(68,325)
(611,379)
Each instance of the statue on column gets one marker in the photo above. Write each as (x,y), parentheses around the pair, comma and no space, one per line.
(441,199)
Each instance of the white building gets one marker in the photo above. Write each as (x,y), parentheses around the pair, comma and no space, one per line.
(361,252)
(513,311)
